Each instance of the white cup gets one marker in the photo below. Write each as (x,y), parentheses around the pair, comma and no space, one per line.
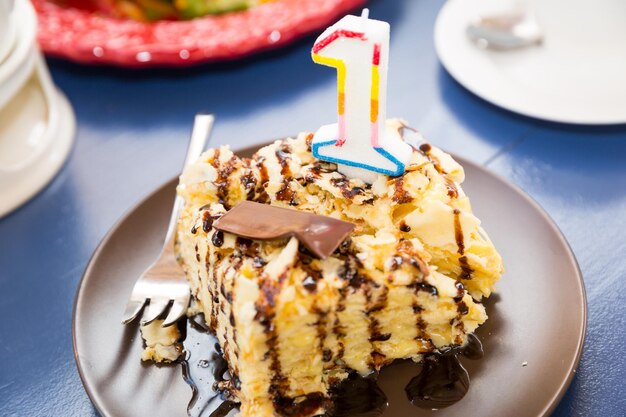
(19,63)
(7,29)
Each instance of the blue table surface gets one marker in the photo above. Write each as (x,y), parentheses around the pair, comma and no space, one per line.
(132,132)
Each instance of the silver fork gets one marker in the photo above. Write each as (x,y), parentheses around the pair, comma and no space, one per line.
(164,282)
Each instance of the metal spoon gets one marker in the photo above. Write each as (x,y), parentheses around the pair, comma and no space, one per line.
(505,32)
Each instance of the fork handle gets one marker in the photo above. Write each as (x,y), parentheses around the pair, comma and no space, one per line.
(202,126)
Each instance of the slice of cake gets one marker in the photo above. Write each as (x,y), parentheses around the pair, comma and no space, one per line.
(406,282)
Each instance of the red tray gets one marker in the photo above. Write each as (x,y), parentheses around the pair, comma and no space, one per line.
(89,37)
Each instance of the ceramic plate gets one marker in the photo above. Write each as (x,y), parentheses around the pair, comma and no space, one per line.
(85,36)
(37,129)
(19,63)
(575,76)
(532,340)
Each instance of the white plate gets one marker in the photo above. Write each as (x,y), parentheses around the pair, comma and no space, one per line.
(19,64)
(578,75)
(37,129)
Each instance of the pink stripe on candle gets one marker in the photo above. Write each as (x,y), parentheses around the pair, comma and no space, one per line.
(342,130)
(376,57)
(374,134)
(334,36)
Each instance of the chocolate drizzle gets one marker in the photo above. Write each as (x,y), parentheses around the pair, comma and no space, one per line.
(443,380)
(210,270)
(312,275)
(406,255)
(461,306)
(223,173)
(423,286)
(458,232)
(249,183)
(265,314)
(377,358)
(320,327)
(207,222)
(420,337)
(453,191)
(466,270)
(278,383)
(285,193)
(264,180)
(400,195)
(229,296)
(218,238)
(347,191)
(425,148)
(310,283)
(338,329)
(315,171)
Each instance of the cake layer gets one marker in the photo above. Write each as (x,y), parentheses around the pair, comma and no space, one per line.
(161,343)
(289,324)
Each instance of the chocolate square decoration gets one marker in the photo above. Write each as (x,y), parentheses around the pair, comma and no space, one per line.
(320,234)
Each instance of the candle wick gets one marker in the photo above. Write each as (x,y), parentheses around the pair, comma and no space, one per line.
(365,14)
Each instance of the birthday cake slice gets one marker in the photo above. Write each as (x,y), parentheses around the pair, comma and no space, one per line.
(406,281)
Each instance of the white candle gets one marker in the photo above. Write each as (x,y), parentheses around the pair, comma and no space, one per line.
(360,142)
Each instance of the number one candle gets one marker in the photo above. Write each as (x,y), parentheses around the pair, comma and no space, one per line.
(360,142)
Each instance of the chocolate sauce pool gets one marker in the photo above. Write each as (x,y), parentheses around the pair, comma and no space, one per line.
(443,380)
(440,381)
(203,369)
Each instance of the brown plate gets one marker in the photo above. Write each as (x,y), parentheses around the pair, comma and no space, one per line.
(532,340)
